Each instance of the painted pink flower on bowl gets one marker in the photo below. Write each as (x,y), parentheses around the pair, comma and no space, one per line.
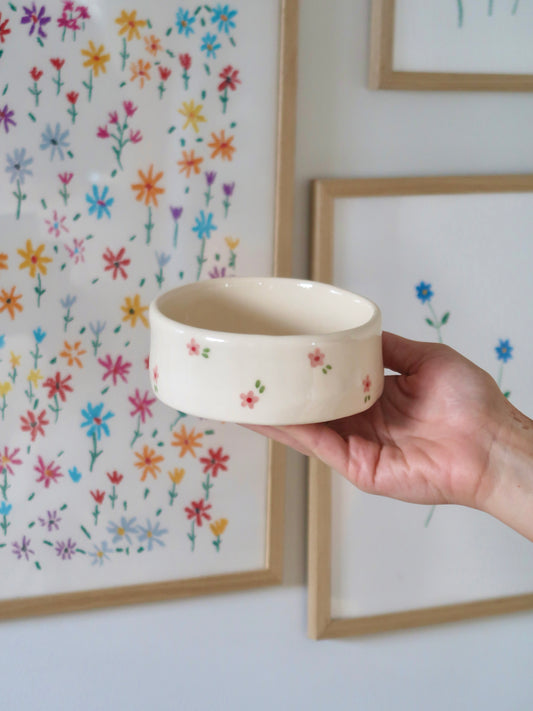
(316,358)
(249,399)
(194,348)
(367,384)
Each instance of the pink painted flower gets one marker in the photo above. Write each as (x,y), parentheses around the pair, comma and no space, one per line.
(9,458)
(48,472)
(367,383)
(65,178)
(115,369)
(102,132)
(194,348)
(77,251)
(141,405)
(316,358)
(129,108)
(155,374)
(249,399)
(56,225)
(135,136)
(113,117)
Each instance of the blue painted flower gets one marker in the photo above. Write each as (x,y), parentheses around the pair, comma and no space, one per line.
(17,165)
(209,45)
(75,474)
(2,340)
(95,421)
(100,553)
(423,292)
(97,328)
(504,351)
(204,225)
(184,22)
(99,203)
(151,534)
(68,302)
(5,509)
(121,531)
(224,16)
(39,335)
(55,140)
(162,259)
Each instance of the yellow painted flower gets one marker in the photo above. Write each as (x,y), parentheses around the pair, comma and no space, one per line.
(176,475)
(192,113)
(232,242)
(129,23)
(5,388)
(96,58)
(218,527)
(133,310)
(34,377)
(14,359)
(33,258)
(3,260)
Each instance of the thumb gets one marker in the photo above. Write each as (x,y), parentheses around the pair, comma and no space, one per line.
(403,355)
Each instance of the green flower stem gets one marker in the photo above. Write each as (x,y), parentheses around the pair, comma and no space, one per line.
(73,113)
(95,453)
(64,194)
(430,515)
(178,418)
(35,92)
(120,140)
(217,543)
(435,321)
(35,355)
(57,81)
(201,259)
(5,486)
(515,7)
(12,375)
(96,513)
(96,343)
(4,405)
(20,197)
(149,225)
(175,237)
(160,278)
(491,6)
(232,259)
(29,392)
(124,54)
(56,410)
(161,89)
(113,497)
(5,525)
(137,432)
(208,196)
(460,13)
(173,494)
(192,536)
(226,204)
(185,78)
(89,85)
(207,486)
(67,319)
(224,99)
(39,290)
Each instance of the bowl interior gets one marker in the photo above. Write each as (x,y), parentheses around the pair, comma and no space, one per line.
(272,307)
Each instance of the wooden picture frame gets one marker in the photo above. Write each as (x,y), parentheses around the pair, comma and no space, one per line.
(384,75)
(281,133)
(337,197)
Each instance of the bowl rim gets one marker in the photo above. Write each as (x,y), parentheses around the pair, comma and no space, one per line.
(370,327)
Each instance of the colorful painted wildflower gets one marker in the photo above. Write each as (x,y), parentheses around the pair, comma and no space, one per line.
(55,140)
(99,202)
(185,22)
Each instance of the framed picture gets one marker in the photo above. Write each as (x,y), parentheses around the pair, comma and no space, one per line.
(144,145)
(452,45)
(447,259)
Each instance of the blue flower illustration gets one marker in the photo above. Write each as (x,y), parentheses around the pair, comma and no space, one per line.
(68,302)
(95,421)
(162,259)
(224,16)
(100,553)
(56,140)
(151,534)
(423,292)
(184,22)
(39,335)
(209,45)
(204,225)
(97,328)
(121,531)
(17,165)
(75,474)
(99,203)
(504,350)
(2,340)
(5,509)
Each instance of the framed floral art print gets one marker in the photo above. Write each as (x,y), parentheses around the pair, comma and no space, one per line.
(447,259)
(143,146)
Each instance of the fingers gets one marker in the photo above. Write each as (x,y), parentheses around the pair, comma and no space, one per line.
(402,355)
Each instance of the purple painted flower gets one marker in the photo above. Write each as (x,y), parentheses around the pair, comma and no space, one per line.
(66,550)
(51,521)
(216,273)
(6,115)
(228,189)
(210,177)
(23,550)
(176,213)
(36,19)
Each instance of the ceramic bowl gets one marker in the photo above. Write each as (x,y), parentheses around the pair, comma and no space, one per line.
(265,350)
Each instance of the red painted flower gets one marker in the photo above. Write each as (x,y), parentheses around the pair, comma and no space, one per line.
(98,496)
(185,61)
(367,384)
(115,477)
(7,459)
(116,262)
(129,108)
(116,369)
(249,399)
(164,72)
(102,132)
(141,405)
(57,63)
(230,78)
(58,386)
(72,97)
(33,424)
(215,462)
(4,29)
(316,358)
(47,472)
(36,74)
(155,375)
(198,510)
(65,178)
(194,348)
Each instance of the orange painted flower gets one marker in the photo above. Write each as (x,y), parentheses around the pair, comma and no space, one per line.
(148,462)
(10,301)
(133,310)
(3,260)
(190,162)
(147,188)
(187,441)
(222,146)
(153,44)
(73,353)
(140,70)
(96,58)
(129,23)
(33,258)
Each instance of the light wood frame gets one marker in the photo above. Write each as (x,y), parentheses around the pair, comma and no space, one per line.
(321,625)
(271,573)
(382,74)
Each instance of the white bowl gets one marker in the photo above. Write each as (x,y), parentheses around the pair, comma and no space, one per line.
(267,351)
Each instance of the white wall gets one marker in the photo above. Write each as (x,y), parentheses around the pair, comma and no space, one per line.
(250,651)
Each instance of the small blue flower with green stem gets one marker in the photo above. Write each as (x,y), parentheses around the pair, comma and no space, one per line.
(162,260)
(151,534)
(210,45)
(425,294)
(185,22)
(100,553)
(99,203)
(203,227)
(5,510)
(39,336)
(67,303)
(96,329)
(122,531)
(224,17)
(504,353)
(56,140)
(18,169)
(96,423)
